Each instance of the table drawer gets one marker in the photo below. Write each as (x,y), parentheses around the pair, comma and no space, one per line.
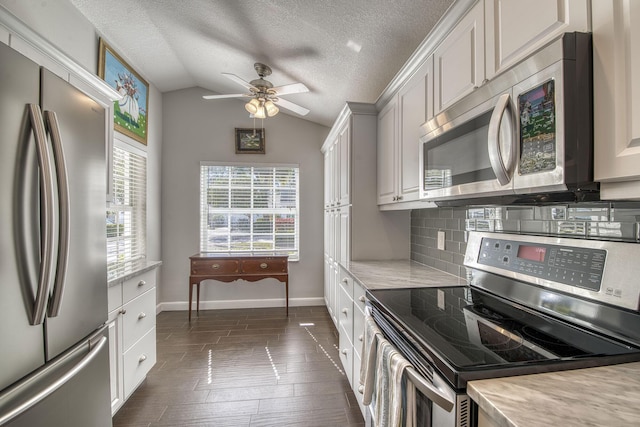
(139,317)
(264,266)
(138,360)
(215,266)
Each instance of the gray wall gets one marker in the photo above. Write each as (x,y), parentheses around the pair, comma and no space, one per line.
(198,130)
(64,26)
(601,220)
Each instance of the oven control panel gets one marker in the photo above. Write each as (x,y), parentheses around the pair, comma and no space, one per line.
(574,266)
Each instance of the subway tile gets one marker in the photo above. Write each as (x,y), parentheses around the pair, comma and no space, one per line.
(588,213)
(475,213)
(445,213)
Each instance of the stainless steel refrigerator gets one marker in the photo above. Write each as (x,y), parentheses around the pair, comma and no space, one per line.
(54,362)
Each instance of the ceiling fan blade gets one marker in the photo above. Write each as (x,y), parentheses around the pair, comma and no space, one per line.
(232,95)
(292,107)
(292,88)
(238,80)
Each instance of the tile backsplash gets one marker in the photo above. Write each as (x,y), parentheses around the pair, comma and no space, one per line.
(597,220)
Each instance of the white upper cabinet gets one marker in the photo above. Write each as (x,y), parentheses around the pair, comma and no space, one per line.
(514,29)
(459,60)
(387,135)
(344,156)
(616,68)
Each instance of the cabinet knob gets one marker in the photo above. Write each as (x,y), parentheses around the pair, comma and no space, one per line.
(399,198)
(360,338)
(141,283)
(123,311)
(395,198)
(345,281)
(142,315)
(361,298)
(361,389)
(264,265)
(142,358)
(215,266)
(345,311)
(344,351)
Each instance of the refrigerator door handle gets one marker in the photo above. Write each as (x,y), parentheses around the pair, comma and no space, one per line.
(47,236)
(64,213)
(43,394)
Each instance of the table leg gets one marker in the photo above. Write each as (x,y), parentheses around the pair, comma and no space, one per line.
(190,296)
(198,300)
(286,287)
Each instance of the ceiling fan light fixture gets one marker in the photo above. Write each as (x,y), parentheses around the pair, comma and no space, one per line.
(271,108)
(260,112)
(252,106)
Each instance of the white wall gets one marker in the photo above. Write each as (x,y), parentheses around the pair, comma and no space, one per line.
(198,130)
(65,27)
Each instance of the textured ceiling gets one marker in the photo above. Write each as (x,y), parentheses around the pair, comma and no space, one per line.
(342,50)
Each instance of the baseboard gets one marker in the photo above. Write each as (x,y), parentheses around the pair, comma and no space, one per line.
(245,303)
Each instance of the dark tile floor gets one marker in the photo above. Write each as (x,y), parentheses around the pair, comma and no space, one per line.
(246,367)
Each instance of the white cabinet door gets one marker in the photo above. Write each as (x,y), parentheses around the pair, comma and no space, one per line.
(327,179)
(459,60)
(387,134)
(114,323)
(514,29)
(345,236)
(415,106)
(616,67)
(344,155)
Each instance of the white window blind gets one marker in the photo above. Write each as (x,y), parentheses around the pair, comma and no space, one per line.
(251,209)
(126,215)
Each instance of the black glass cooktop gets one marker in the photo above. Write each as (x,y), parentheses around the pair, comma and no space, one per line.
(463,329)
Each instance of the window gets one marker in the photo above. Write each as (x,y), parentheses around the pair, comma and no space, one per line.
(127,213)
(252,209)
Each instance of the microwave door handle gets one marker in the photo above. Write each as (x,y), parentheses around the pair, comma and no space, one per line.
(495,156)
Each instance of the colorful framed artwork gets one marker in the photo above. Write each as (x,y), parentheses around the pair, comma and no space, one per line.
(129,113)
(250,141)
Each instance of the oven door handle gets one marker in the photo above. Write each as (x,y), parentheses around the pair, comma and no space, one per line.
(438,396)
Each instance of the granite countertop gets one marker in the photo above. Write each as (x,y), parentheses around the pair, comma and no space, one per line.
(133,270)
(603,396)
(400,274)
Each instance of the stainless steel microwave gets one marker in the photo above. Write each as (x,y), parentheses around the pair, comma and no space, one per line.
(526,136)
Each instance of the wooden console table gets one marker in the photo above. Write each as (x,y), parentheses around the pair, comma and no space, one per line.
(230,267)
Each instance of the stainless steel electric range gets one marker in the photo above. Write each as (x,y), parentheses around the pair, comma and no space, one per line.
(534,304)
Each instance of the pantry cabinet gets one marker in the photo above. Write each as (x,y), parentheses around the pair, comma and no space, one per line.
(515,29)
(616,67)
(387,141)
(459,60)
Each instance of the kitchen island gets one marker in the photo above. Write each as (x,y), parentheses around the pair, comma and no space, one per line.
(602,396)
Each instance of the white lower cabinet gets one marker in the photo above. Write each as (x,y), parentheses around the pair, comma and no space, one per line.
(132,334)
(351,330)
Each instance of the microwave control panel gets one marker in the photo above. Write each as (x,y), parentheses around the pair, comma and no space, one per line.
(574,266)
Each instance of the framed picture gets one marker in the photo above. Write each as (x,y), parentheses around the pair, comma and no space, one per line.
(130,113)
(249,141)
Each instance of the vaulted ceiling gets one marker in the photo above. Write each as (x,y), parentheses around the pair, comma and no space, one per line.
(342,50)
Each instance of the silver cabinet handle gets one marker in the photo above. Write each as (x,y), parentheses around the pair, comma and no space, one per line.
(215,266)
(142,358)
(47,233)
(361,298)
(142,315)
(63,209)
(123,311)
(495,155)
(361,389)
(141,283)
(345,282)
(344,351)
(345,311)
(264,265)
(68,376)
(360,338)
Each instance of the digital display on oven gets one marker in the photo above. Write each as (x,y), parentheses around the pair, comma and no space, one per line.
(531,253)
(537,109)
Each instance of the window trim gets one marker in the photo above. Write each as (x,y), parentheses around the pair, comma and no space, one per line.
(253,165)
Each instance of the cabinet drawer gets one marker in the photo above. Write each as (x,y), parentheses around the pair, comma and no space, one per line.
(356,383)
(264,265)
(139,317)
(346,282)
(358,330)
(215,266)
(138,360)
(345,313)
(346,356)
(138,285)
(359,295)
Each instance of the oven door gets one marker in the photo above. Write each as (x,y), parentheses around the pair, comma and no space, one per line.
(472,154)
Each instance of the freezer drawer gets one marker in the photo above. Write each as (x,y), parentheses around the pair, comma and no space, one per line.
(72,390)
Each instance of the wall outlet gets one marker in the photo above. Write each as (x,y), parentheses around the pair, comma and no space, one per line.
(441,240)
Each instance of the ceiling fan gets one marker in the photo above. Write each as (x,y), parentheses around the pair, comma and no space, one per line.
(265,97)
